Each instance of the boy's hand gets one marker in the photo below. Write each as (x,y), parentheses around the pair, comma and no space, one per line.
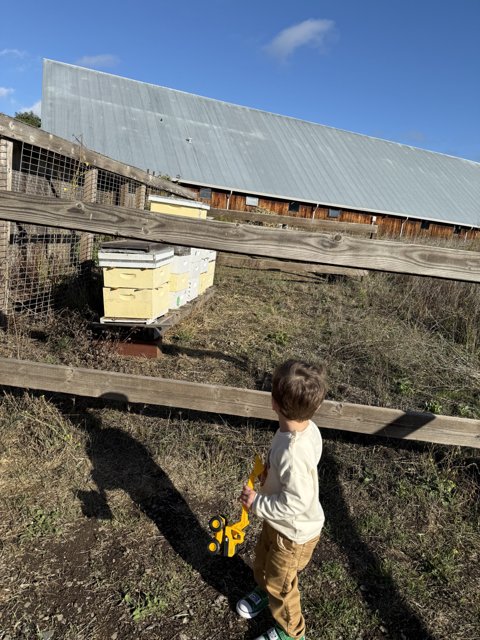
(247,496)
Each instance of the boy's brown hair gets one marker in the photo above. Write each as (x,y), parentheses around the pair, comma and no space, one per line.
(298,389)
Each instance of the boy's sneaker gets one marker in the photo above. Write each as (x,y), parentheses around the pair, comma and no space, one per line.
(251,605)
(276,633)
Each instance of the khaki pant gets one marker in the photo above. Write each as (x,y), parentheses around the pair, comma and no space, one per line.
(277,563)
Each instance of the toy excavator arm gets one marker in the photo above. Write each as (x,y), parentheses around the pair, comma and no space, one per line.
(227,537)
(258,468)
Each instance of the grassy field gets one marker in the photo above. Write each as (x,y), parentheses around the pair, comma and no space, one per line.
(104,507)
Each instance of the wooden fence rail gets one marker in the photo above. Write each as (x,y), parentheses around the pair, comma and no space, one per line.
(343,251)
(269,264)
(318,226)
(17,130)
(233,401)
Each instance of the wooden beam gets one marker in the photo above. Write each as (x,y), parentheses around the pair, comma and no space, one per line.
(319,226)
(233,401)
(6,176)
(267,264)
(17,130)
(338,250)
(90,188)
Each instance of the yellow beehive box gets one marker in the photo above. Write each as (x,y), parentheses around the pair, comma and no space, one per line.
(203,283)
(137,304)
(179,207)
(114,277)
(179,281)
(206,281)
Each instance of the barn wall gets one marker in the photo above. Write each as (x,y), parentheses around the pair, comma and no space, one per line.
(392,226)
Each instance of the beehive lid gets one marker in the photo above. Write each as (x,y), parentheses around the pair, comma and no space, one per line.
(137,252)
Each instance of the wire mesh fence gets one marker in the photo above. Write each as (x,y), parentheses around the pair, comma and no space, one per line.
(39,265)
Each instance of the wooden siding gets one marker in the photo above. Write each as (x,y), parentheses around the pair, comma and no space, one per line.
(393,226)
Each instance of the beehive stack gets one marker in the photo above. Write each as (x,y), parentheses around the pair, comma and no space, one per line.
(180,276)
(199,264)
(207,272)
(136,278)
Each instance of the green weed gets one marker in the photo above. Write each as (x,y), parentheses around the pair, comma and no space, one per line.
(405,387)
(143,605)
(280,338)
(442,489)
(183,335)
(42,523)
(442,565)
(433,406)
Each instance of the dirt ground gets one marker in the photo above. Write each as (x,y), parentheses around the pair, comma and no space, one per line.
(104,507)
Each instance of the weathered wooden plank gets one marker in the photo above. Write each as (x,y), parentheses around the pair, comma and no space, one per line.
(6,177)
(17,130)
(342,251)
(140,196)
(268,264)
(90,188)
(308,224)
(233,401)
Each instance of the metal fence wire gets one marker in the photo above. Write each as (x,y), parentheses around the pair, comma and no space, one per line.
(40,265)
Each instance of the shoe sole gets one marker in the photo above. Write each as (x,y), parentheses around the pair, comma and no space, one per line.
(247,615)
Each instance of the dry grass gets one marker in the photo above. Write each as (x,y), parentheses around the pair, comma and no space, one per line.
(103,508)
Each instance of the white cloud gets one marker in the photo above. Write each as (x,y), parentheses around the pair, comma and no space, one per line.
(103,60)
(13,52)
(4,92)
(309,32)
(36,108)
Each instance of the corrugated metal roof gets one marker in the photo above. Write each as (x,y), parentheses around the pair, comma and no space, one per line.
(214,143)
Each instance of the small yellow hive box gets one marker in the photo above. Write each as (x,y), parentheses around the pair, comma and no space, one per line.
(203,283)
(139,304)
(178,207)
(114,277)
(179,281)
(206,281)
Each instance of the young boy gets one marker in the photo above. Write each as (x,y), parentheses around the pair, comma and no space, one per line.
(287,501)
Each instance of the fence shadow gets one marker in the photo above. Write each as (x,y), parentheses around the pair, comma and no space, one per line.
(122,462)
(379,590)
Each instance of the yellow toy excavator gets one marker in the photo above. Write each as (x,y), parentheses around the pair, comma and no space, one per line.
(227,537)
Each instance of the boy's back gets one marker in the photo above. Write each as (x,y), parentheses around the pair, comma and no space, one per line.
(292,476)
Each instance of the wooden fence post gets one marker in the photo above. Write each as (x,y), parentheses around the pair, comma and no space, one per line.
(123,195)
(90,184)
(6,155)
(140,196)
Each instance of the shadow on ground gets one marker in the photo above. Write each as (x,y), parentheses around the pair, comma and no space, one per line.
(150,488)
(379,590)
(122,462)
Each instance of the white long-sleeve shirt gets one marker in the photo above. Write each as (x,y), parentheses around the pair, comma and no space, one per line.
(288,500)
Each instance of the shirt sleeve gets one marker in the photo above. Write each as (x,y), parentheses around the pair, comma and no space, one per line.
(294,498)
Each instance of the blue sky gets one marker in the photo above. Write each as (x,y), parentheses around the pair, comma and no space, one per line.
(407,70)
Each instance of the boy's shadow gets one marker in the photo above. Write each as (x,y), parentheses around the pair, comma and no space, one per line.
(379,592)
(121,462)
